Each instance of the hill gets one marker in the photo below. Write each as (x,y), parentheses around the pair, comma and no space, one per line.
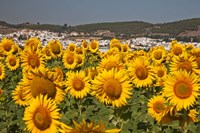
(131,28)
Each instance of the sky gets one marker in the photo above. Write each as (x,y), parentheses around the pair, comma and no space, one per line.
(78,12)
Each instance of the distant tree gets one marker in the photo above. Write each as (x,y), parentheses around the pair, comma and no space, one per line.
(38,23)
(65,25)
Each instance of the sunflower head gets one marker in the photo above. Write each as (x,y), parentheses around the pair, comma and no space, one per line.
(94,46)
(80,50)
(77,84)
(45,83)
(125,48)
(112,87)
(110,62)
(84,44)
(177,49)
(19,96)
(47,52)
(69,59)
(141,72)
(7,46)
(42,115)
(181,89)
(71,47)
(12,62)
(33,44)
(157,108)
(55,48)
(158,55)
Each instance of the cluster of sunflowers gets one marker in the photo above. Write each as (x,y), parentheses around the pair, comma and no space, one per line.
(53,73)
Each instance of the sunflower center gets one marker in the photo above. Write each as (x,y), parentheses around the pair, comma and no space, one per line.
(125,49)
(70,59)
(71,48)
(47,52)
(112,88)
(182,89)
(110,65)
(141,72)
(93,45)
(85,45)
(160,73)
(41,118)
(12,62)
(185,66)
(157,55)
(40,85)
(7,47)
(34,61)
(177,51)
(78,85)
(79,60)
(55,48)
(158,107)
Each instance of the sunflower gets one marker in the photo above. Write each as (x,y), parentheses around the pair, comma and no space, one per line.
(45,83)
(12,62)
(158,55)
(181,89)
(185,62)
(2,71)
(58,73)
(115,43)
(125,48)
(94,46)
(84,44)
(112,87)
(19,96)
(157,108)
(55,48)
(85,127)
(17,49)
(80,51)
(69,59)
(71,47)
(141,72)
(32,60)
(112,61)
(7,46)
(77,84)
(33,44)
(80,60)
(177,49)
(42,116)
(161,74)
(47,52)
(191,117)
(195,52)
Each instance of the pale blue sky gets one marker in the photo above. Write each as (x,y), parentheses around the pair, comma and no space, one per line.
(76,12)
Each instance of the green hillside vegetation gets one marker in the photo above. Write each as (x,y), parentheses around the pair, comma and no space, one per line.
(177,27)
(132,27)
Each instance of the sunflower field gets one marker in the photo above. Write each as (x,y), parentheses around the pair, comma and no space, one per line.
(79,89)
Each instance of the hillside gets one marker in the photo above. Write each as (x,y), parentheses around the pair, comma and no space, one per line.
(177,28)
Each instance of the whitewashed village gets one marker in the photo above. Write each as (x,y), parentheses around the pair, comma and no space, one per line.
(134,43)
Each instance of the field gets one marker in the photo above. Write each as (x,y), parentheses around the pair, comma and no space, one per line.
(79,89)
